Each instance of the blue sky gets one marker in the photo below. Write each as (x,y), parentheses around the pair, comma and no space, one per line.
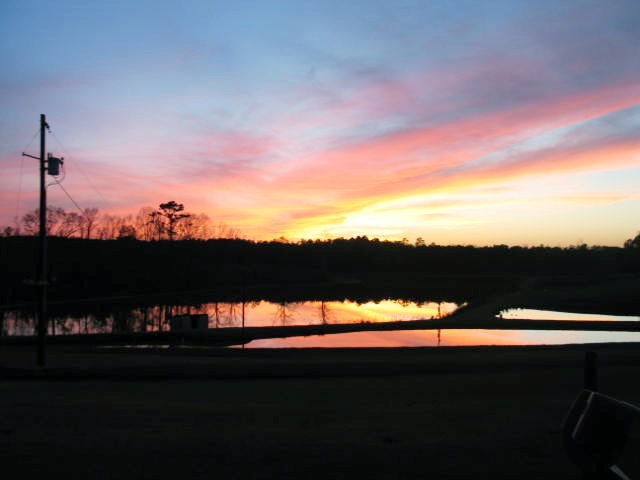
(461,122)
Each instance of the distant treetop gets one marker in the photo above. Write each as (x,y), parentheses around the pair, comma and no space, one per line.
(633,242)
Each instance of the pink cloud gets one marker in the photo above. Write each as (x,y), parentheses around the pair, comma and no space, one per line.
(296,169)
(401,156)
(442,157)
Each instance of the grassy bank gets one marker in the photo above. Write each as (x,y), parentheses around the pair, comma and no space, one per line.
(447,413)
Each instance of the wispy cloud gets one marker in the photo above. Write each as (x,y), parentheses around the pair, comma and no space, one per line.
(328,119)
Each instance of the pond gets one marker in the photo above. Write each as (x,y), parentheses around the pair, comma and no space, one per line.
(262,313)
(452,338)
(533,314)
(220,315)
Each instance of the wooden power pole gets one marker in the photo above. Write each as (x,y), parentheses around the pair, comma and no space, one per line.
(50,165)
(42,281)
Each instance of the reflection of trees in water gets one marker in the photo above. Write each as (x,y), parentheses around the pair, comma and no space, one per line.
(230,314)
(18,323)
(233,315)
(23,323)
(403,303)
(285,313)
(123,322)
(217,312)
(120,319)
(61,326)
(252,305)
(126,320)
(101,322)
(325,313)
(96,324)
(422,304)
(239,315)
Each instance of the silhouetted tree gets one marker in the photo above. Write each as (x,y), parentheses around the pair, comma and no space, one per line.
(127,231)
(144,225)
(30,222)
(110,225)
(59,222)
(88,221)
(222,230)
(8,231)
(633,242)
(69,224)
(171,213)
(195,227)
(156,223)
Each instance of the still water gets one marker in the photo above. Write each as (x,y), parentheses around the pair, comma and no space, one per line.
(452,338)
(263,313)
(220,315)
(532,314)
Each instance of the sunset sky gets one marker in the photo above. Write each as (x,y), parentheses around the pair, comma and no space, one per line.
(461,122)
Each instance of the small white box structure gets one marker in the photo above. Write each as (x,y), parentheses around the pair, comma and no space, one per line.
(190,321)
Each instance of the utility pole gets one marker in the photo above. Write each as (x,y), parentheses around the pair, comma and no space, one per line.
(52,165)
(42,283)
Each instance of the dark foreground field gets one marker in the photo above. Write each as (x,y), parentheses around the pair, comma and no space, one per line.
(438,413)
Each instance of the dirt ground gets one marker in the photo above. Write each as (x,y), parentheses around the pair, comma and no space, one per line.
(421,413)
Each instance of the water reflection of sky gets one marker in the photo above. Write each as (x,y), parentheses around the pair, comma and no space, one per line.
(533,314)
(262,314)
(221,314)
(433,338)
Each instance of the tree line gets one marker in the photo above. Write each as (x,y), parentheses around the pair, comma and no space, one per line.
(87,268)
(169,221)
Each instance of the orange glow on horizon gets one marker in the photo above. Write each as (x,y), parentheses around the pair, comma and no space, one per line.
(401,184)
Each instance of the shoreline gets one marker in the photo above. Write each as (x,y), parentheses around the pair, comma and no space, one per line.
(227,336)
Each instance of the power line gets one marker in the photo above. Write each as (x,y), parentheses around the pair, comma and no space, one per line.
(70,197)
(59,181)
(32,139)
(82,172)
